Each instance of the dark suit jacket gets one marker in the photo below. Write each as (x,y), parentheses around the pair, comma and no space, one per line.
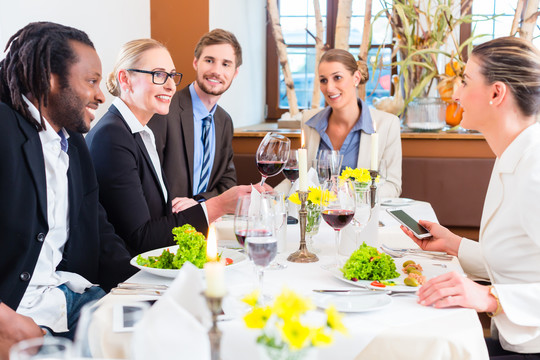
(175,146)
(129,188)
(92,249)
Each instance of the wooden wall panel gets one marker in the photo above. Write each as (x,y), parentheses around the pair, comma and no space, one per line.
(179,24)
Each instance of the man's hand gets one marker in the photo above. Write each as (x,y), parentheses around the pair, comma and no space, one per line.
(226,202)
(182,203)
(14,328)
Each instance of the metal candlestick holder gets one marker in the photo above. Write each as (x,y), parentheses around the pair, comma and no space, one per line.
(373,187)
(302,255)
(214,304)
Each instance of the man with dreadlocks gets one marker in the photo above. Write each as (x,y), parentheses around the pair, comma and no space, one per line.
(55,241)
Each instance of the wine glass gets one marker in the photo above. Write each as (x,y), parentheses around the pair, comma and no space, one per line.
(362,212)
(338,203)
(47,347)
(272,154)
(261,245)
(241,216)
(273,202)
(291,167)
(331,160)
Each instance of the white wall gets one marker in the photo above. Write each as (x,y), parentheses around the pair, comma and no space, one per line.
(246,98)
(108,23)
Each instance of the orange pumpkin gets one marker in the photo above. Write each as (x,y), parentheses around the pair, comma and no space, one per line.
(454,113)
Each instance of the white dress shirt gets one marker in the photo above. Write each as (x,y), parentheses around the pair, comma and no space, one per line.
(43,301)
(509,245)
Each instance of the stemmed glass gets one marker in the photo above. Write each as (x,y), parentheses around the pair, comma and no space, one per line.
(362,212)
(241,217)
(291,167)
(331,160)
(338,203)
(273,202)
(272,154)
(254,229)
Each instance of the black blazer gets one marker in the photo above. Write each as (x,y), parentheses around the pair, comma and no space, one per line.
(92,249)
(175,147)
(129,187)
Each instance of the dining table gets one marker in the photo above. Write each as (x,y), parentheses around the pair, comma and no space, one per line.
(397,327)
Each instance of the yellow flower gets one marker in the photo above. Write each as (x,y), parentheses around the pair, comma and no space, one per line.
(295,334)
(334,320)
(251,298)
(294,198)
(257,317)
(359,175)
(315,195)
(320,337)
(289,305)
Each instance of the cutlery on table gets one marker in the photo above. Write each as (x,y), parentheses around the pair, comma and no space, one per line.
(364,291)
(135,286)
(418,250)
(132,291)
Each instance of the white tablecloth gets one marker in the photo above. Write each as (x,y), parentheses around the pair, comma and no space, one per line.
(403,330)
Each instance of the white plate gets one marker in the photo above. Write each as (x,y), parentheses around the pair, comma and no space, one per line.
(366,283)
(353,303)
(397,202)
(236,256)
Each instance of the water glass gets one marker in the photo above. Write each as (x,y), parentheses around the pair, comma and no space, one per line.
(331,159)
(362,212)
(47,347)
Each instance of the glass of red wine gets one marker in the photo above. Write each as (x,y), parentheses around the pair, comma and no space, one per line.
(338,206)
(291,167)
(272,154)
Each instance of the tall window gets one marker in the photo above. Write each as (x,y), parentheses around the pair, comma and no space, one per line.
(298,15)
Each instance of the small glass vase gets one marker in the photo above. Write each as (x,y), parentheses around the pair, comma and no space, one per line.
(272,353)
(313,221)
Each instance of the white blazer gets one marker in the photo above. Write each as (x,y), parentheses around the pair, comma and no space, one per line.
(388,128)
(509,246)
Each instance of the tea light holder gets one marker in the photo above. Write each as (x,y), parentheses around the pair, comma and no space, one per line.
(214,334)
(302,255)
(373,187)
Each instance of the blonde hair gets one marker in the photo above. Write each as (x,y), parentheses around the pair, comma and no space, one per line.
(347,59)
(515,62)
(130,54)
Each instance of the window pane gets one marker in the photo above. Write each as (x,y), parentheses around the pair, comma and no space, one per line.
(302,63)
(505,7)
(502,26)
(482,7)
(313,30)
(294,30)
(293,7)
(379,83)
(381,32)
(357,27)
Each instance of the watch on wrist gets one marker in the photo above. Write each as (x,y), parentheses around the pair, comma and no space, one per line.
(493,292)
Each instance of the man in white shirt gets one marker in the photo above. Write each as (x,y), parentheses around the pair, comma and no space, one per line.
(56,244)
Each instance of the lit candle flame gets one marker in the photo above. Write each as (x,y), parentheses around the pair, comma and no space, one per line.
(303,142)
(211,244)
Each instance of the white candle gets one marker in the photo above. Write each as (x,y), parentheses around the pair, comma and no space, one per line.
(214,269)
(302,166)
(374,149)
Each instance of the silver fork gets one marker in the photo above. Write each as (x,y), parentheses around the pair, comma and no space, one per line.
(400,254)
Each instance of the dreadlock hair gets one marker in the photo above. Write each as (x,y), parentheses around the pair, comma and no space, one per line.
(35,52)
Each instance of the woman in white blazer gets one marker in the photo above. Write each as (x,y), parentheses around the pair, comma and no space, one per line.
(347,123)
(500,96)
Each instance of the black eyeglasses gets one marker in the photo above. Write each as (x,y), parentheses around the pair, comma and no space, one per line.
(161,77)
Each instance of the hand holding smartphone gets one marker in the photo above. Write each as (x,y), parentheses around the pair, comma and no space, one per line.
(406,220)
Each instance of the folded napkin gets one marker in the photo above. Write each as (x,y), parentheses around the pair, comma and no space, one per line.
(255,203)
(175,327)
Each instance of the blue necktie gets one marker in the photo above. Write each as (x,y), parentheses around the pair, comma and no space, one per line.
(63,141)
(205,167)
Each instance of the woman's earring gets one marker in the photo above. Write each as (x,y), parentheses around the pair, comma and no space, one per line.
(490,102)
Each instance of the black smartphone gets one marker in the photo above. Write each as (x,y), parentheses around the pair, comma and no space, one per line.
(291,220)
(405,219)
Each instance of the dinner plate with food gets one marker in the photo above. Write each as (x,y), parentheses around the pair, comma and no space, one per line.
(369,268)
(190,246)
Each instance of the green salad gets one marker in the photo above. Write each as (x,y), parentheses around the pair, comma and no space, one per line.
(191,247)
(366,263)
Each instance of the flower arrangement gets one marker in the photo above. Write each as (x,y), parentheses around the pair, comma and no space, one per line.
(360,177)
(285,332)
